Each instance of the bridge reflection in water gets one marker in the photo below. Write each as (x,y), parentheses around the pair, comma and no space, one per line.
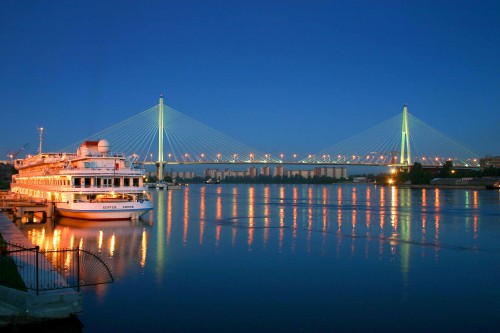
(320,220)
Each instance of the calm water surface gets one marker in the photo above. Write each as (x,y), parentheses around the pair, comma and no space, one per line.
(296,258)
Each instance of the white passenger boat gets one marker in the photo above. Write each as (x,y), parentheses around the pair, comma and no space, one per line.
(89,184)
(163,185)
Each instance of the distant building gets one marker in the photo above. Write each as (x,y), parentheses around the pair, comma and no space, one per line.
(214,174)
(279,170)
(340,173)
(265,171)
(240,174)
(488,161)
(332,172)
(300,173)
(252,172)
(226,173)
(182,174)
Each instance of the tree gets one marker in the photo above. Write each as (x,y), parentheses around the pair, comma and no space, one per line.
(446,171)
(418,175)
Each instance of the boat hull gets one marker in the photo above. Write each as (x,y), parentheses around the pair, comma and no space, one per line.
(104,210)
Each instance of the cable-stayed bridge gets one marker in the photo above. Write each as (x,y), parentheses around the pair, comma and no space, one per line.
(161,135)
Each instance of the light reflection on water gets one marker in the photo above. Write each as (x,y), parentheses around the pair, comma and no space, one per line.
(316,257)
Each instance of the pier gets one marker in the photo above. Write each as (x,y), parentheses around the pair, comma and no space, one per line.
(26,210)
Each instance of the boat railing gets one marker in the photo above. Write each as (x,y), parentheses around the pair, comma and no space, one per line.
(110,200)
(91,171)
(107,186)
(97,154)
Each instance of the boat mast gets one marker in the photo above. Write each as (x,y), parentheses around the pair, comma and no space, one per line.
(40,130)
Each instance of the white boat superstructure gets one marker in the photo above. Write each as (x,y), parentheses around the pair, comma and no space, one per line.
(92,183)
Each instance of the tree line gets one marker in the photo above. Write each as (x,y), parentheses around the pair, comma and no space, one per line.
(418,175)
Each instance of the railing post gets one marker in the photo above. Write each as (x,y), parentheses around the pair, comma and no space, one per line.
(78,268)
(37,251)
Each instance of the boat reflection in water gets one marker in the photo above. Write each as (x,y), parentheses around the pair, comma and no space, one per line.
(128,238)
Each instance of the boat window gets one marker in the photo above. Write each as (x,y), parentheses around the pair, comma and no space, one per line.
(98,182)
(135,182)
(116,182)
(88,182)
(106,182)
(78,182)
(126,182)
(88,165)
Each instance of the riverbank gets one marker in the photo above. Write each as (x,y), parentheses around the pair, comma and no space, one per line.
(28,306)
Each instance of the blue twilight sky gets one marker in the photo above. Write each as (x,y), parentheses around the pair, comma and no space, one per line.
(281,76)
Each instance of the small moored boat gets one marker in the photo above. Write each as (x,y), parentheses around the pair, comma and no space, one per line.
(494,186)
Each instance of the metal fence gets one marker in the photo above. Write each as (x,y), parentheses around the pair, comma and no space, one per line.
(34,269)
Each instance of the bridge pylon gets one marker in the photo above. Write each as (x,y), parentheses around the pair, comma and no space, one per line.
(160,139)
(405,158)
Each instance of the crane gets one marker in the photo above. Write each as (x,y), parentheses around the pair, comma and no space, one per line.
(14,155)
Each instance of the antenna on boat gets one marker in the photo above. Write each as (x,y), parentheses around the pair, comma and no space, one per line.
(40,129)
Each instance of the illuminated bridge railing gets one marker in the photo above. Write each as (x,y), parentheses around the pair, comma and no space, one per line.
(187,141)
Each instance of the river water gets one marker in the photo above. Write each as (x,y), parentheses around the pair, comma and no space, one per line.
(295,258)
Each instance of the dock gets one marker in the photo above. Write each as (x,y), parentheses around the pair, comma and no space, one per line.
(29,210)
